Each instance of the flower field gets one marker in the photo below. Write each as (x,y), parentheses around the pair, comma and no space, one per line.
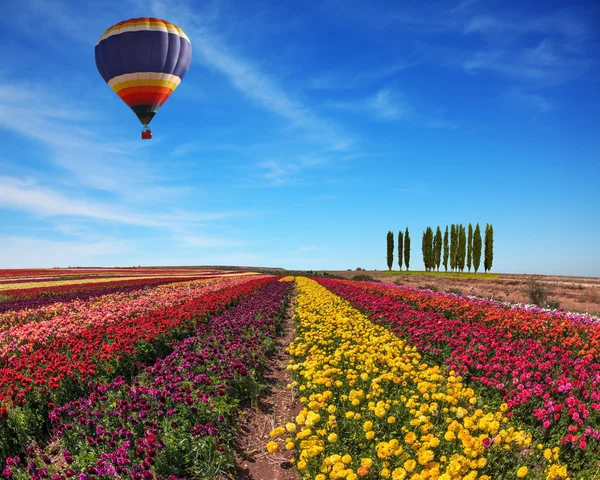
(48,354)
(374,407)
(131,379)
(180,408)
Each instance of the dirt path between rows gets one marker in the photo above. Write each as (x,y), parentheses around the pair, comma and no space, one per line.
(275,407)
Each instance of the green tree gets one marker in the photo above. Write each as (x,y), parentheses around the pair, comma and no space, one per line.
(453,246)
(476,248)
(437,248)
(424,249)
(427,248)
(390,250)
(446,249)
(400,238)
(462,247)
(488,256)
(430,249)
(406,248)
(470,247)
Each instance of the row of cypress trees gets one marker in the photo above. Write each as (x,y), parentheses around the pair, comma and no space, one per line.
(457,248)
(403,249)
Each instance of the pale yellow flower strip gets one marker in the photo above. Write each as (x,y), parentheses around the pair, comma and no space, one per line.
(115,279)
(373,408)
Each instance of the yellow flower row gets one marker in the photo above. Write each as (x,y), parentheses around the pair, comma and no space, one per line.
(374,409)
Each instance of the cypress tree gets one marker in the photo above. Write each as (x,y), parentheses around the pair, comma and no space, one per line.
(476,248)
(437,247)
(470,247)
(430,248)
(406,249)
(453,247)
(390,250)
(446,249)
(462,245)
(400,249)
(424,250)
(430,251)
(427,249)
(489,248)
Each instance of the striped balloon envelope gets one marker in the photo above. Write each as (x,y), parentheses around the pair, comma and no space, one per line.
(143,60)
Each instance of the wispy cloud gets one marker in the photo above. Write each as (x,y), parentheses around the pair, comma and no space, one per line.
(251,80)
(349,79)
(390,105)
(31,252)
(278,172)
(532,101)
(63,125)
(547,63)
(385,104)
(564,48)
(44,202)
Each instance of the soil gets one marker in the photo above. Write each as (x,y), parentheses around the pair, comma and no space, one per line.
(574,294)
(277,406)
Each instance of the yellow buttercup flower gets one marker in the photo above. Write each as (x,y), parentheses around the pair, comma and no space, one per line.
(272,447)
(522,472)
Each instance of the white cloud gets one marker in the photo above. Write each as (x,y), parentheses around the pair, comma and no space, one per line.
(565,38)
(27,252)
(250,79)
(349,79)
(44,202)
(279,172)
(531,101)
(387,105)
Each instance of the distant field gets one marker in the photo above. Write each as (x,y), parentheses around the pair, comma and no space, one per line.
(440,274)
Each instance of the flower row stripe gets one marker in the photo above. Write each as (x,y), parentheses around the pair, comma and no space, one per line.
(35,299)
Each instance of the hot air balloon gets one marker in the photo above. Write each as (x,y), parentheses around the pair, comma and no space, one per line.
(143,60)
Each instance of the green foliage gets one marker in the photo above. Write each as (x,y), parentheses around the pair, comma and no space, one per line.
(470,248)
(400,246)
(462,246)
(453,246)
(427,249)
(488,256)
(407,248)
(437,248)
(446,249)
(387,273)
(390,250)
(476,248)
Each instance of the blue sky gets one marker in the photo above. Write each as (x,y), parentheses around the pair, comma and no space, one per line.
(303,132)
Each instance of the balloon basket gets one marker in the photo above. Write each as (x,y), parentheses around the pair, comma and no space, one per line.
(146,134)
